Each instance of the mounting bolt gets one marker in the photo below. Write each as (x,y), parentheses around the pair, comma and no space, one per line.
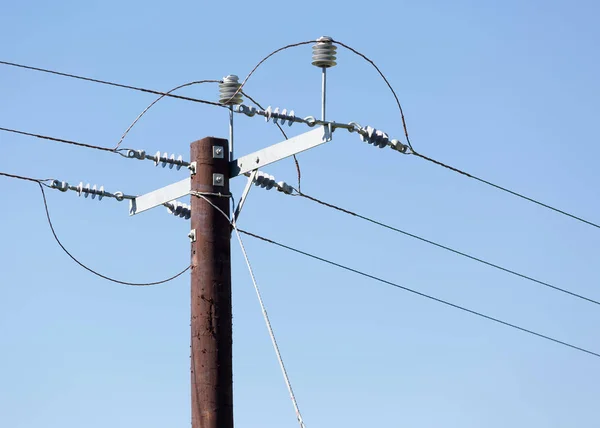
(217,152)
(192,168)
(257,159)
(192,235)
(218,179)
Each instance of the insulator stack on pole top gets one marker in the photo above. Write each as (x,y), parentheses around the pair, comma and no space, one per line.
(229,93)
(324,52)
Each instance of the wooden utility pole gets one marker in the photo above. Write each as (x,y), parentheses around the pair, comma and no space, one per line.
(211,323)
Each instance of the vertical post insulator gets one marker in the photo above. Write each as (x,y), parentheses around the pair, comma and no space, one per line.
(323,57)
(324,53)
(229,93)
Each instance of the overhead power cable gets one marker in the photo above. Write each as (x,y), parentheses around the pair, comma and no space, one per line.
(20,177)
(387,82)
(41,183)
(418,293)
(166,94)
(436,162)
(137,284)
(276,51)
(59,140)
(504,189)
(106,82)
(447,248)
(429,159)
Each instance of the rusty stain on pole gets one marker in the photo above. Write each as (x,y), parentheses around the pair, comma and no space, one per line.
(211,321)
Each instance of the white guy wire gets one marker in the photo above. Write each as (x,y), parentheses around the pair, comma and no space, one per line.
(264,310)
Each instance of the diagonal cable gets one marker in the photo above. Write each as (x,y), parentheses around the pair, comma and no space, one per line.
(166,94)
(447,248)
(418,293)
(137,284)
(58,140)
(436,162)
(286,377)
(41,183)
(106,82)
(504,189)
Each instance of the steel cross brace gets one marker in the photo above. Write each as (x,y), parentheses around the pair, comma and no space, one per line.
(243,165)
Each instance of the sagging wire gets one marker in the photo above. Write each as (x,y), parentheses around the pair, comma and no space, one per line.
(293,45)
(135,284)
(196,82)
(43,183)
(454,169)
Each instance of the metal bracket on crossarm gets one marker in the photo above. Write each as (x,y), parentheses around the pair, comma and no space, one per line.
(279,151)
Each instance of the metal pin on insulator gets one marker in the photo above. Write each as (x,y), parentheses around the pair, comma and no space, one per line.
(247,110)
(282,186)
(136,154)
(63,186)
(229,93)
(398,146)
(179,209)
(324,53)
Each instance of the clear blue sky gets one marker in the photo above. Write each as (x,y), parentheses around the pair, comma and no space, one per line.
(506,90)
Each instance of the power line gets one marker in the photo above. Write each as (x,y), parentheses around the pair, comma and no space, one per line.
(197,82)
(418,293)
(292,45)
(20,177)
(60,140)
(416,153)
(387,82)
(445,247)
(504,189)
(137,284)
(106,82)
(41,184)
